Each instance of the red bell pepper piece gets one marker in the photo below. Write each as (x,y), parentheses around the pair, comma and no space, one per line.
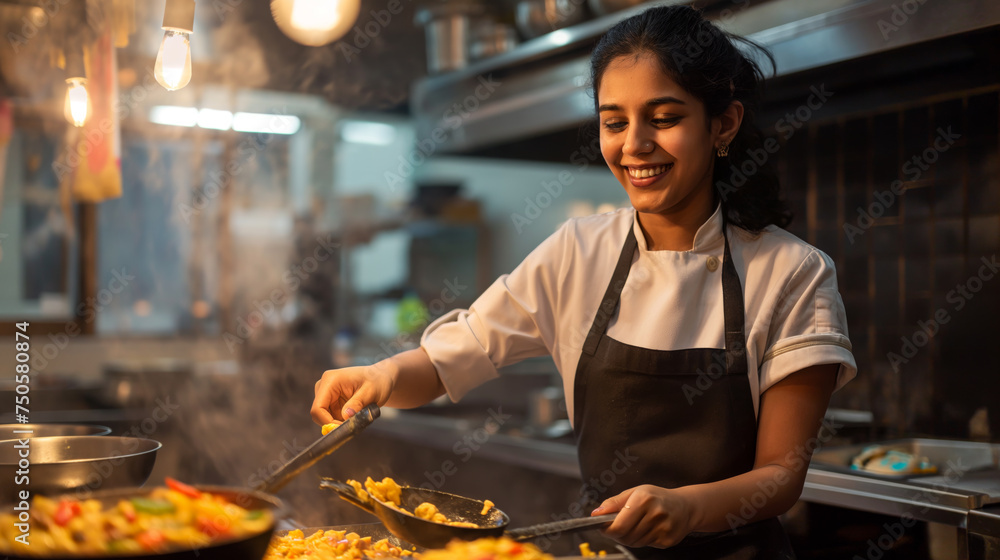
(185,489)
(213,526)
(65,511)
(151,539)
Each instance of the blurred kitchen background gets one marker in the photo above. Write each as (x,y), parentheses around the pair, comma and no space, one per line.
(295,208)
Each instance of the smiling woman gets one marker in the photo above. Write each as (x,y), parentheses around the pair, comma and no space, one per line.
(656,142)
(694,96)
(637,305)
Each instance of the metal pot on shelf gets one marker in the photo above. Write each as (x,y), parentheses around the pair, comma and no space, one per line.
(538,17)
(448,29)
(490,38)
(547,406)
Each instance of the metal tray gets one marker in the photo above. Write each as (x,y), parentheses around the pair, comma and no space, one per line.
(950,456)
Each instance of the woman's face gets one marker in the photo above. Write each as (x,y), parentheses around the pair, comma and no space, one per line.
(654,136)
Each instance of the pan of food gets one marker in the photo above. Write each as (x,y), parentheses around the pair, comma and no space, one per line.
(432,518)
(175,522)
(169,523)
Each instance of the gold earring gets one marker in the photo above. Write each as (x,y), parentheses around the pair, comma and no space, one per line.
(723,150)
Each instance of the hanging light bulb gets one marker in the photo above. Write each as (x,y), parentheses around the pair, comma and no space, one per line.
(173,61)
(315,22)
(77,104)
(77,107)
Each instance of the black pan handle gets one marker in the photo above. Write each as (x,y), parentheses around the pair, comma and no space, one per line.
(568,526)
(346,492)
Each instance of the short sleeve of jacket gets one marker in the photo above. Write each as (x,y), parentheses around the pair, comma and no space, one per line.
(809,325)
(512,320)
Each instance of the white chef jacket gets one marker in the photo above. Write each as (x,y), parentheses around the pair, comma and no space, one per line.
(672,300)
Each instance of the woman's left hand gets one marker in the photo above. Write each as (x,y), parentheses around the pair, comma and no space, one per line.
(648,516)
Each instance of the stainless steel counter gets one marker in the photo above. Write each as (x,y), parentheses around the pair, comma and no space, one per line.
(885,497)
(985,521)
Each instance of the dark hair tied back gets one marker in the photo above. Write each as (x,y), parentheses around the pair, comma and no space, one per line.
(705,61)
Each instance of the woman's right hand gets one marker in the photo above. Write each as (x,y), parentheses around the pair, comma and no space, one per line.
(341,393)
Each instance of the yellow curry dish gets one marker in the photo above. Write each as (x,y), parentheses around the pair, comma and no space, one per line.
(331,545)
(178,517)
(502,548)
(389,492)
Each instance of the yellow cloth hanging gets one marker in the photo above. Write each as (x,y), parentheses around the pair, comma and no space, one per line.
(96,159)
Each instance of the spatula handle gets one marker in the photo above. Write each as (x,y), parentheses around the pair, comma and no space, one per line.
(568,526)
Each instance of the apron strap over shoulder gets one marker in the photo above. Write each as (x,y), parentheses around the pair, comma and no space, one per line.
(732,304)
(610,300)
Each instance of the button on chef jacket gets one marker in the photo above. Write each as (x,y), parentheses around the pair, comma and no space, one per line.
(671,300)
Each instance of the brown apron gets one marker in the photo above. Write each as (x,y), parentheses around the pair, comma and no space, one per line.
(631,402)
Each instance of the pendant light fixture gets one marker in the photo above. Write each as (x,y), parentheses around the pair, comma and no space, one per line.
(173,61)
(77,105)
(315,22)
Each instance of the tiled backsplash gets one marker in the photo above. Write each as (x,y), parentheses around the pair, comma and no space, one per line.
(916,269)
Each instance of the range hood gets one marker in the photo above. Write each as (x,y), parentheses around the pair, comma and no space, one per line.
(542,86)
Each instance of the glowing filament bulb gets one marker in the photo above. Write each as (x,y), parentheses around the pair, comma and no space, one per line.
(315,22)
(173,62)
(315,15)
(77,101)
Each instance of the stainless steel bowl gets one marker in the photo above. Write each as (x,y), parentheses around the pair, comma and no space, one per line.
(78,464)
(51,430)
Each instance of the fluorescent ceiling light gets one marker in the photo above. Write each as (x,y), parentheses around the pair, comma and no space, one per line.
(176,116)
(266,124)
(367,132)
(215,119)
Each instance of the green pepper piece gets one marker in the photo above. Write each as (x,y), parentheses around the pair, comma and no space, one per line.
(153,506)
(254,514)
(119,546)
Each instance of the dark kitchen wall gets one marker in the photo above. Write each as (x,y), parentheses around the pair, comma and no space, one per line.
(906,199)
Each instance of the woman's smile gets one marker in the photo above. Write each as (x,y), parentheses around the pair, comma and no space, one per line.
(644,175)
